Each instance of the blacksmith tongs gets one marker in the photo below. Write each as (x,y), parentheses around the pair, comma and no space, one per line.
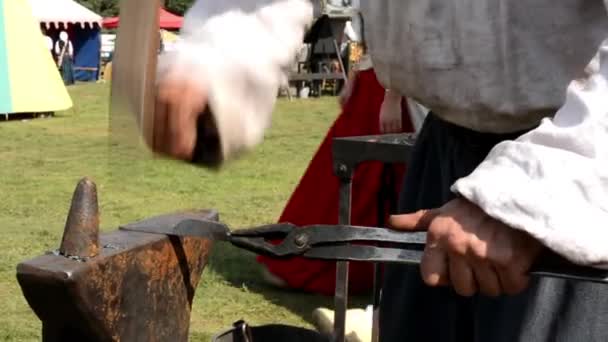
(344,243)
(332,242)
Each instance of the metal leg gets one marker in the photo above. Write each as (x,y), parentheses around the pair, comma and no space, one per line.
(341,294)
(386,190)
(341,301)
(376,303)
(340,60)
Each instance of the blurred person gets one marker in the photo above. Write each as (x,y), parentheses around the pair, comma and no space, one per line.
(366,109)
(65,58)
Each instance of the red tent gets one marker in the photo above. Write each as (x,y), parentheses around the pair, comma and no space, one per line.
(166,20)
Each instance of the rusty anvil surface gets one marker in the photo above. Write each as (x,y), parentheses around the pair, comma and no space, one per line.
(139,287)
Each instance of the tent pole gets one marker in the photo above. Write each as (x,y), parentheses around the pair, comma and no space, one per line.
(340,60)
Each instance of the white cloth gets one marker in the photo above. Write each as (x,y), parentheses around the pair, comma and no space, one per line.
(69,50)
(49,42)
(358,327)
(553,181)
(417,112)
(494,66)
(356,22)
(350,33)
(473,59)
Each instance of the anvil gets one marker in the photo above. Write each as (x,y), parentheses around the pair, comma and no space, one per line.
(117,286)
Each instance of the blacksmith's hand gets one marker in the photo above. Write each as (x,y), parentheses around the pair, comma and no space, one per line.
(180,100)
(470,251)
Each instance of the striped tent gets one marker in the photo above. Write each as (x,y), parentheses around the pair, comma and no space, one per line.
(29,80)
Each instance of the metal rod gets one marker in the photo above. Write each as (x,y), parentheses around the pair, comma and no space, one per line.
(340,61)
(376,303)
(341,293)
(341,300)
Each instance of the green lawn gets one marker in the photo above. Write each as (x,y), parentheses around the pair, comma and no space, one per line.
(42,159)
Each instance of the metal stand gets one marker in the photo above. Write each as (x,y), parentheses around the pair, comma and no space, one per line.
(341,294)
(348,153)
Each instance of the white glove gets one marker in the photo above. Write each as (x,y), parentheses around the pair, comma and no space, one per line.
(390,113)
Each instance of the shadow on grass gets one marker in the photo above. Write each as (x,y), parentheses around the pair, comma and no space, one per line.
(24,116)
(239,268)
(200,337)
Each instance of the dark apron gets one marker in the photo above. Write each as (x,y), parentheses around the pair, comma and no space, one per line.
(67,64)
(550,310)
(67,70)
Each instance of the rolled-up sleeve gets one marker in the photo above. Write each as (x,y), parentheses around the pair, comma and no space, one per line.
(553,181)
(240,49)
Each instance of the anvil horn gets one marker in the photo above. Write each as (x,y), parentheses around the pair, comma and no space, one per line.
(81,233)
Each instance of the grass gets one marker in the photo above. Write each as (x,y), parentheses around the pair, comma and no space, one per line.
(41,161)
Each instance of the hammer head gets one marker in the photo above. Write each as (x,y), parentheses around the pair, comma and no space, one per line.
(133,74)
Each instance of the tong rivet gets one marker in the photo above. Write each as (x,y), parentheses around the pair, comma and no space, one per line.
(301,240)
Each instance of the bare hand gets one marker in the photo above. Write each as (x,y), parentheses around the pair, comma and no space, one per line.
(390,114)
(347,91)
(179,102)
(471,251)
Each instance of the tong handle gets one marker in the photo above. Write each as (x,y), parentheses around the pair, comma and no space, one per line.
(332,242)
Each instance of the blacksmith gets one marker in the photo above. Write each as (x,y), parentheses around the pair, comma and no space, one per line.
(512,162)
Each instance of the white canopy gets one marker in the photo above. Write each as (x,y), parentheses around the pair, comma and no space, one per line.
(63,12)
